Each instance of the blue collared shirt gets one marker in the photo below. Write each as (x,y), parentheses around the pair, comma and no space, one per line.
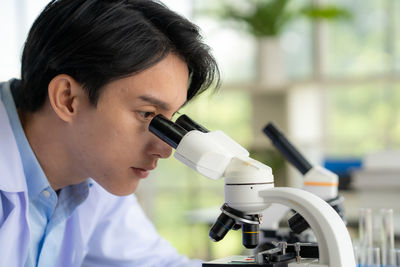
(47,211)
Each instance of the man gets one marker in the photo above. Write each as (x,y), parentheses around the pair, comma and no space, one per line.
(74,139)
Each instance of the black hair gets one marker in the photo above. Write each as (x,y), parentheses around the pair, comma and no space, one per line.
(99,41)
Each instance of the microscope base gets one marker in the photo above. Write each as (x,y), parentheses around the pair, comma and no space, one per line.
(242,261)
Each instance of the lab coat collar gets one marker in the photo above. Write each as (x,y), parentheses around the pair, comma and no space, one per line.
(12,178)
(34,176)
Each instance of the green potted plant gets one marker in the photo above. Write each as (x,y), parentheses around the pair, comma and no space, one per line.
(266,20)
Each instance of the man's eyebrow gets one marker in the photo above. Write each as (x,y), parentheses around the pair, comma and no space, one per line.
(156,102)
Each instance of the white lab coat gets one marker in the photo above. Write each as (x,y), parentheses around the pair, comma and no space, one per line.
(105,230)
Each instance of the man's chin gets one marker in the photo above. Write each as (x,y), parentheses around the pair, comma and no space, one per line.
(121,190)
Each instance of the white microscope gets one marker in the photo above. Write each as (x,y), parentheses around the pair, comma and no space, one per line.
(249,189)
(317,180)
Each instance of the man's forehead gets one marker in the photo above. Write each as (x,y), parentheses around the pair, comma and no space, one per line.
(155,101)
(158,102)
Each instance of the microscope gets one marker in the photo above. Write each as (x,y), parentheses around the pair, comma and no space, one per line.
(249,189)
(317,180)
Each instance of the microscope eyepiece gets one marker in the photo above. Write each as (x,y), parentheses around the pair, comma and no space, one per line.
(188,124)
(167,130)
(286,148)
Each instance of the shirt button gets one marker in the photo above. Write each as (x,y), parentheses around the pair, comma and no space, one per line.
(46,193)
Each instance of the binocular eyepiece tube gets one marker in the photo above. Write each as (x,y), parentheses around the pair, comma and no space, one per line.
(287,149)
(167,130)
(173,132)
(188,124)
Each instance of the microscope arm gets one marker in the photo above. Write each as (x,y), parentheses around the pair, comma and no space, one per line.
(334,243)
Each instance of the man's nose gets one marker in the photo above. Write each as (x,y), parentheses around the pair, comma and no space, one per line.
(159,148)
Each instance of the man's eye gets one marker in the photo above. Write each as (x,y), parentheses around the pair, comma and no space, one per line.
(146,114)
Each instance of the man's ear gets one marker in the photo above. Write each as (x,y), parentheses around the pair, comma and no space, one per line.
(66,95)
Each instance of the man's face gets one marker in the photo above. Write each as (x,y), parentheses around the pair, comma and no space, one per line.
(112,142)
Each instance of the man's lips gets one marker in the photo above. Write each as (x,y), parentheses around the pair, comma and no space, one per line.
(141,173)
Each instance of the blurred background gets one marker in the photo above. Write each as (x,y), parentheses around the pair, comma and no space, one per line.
(327,73)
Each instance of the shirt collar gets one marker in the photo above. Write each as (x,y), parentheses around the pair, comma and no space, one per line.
(12,178)
(35,178)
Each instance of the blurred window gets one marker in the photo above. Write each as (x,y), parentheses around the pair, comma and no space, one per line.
(363,118)
(16,17)
(363,94)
